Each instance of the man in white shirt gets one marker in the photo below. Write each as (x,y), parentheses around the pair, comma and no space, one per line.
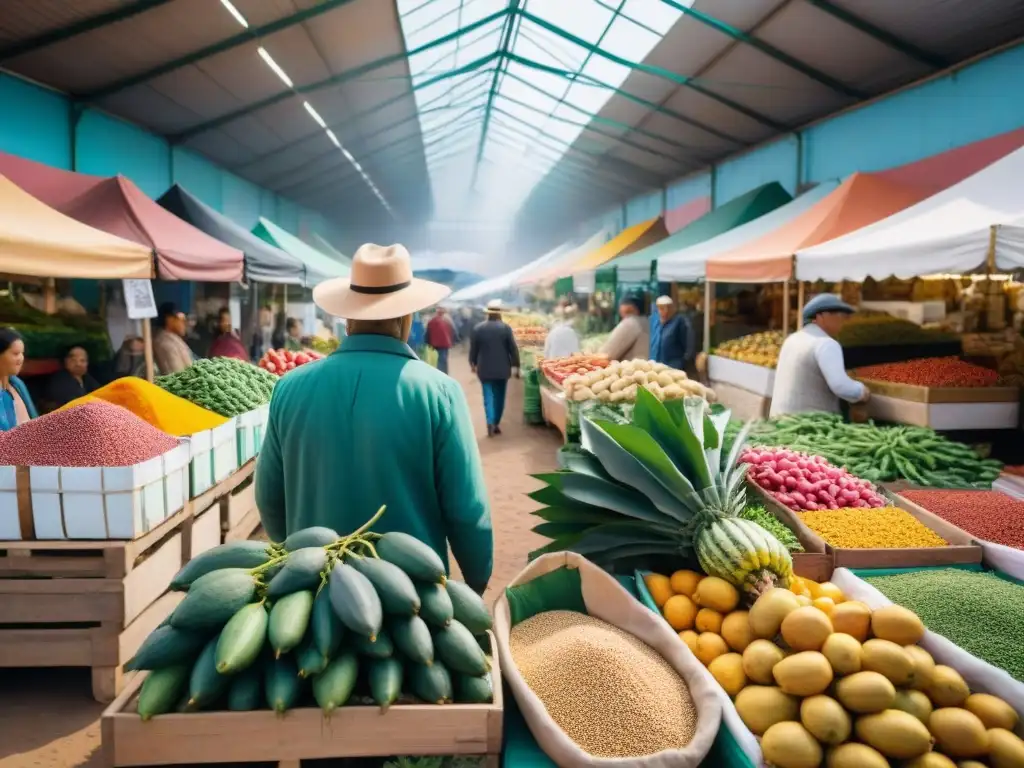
(811,373)
(562,340)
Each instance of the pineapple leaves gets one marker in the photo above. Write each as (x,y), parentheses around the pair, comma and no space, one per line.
(605,495)
(555,530)
(556,545)
(602,538)
(582,463)
(714,438)
(632,456)
(575,514)
(679,441)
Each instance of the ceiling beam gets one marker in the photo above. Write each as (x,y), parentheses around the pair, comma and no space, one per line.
(768,49)
(895,42)
(61,34)
(246,36)
(503,50)
(341,78)
(660,72)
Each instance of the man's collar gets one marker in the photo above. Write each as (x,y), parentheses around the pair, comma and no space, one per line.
(372,342)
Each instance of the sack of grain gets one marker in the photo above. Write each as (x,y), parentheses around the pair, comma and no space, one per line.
(565,596)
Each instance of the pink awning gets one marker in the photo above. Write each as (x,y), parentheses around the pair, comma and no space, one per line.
(117,206)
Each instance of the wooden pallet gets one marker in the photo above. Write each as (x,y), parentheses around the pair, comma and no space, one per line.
(210,738)
(92,603)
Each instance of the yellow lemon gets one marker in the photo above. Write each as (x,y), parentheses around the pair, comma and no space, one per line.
(685,582)
(680,612)
(660,588)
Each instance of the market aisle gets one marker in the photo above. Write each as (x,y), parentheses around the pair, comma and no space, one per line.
(48,718)
(509,460)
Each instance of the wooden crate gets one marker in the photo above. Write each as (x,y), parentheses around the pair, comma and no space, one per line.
(918,394)
(303,734)
(92,603)
(944,408)
(961,549)
(239,515)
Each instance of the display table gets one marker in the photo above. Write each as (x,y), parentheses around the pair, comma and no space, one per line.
(92,603)
(744,404)
(554,408)
(747,376)
(944,408)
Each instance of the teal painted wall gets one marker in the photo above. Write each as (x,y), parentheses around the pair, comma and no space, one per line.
(959,108)
(36,123)
(644,207)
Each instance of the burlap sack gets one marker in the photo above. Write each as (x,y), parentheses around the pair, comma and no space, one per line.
(979,675)
(605,599)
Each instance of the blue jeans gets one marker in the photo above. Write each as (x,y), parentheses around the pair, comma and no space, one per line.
(494,400)
(442,360)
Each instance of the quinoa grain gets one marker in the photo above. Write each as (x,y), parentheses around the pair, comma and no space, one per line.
(883,528)
(612,694)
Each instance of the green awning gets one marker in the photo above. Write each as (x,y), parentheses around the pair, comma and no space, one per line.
(637,267)
(318,266)
(330,250)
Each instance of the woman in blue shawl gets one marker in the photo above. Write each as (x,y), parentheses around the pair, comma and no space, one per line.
(16,406)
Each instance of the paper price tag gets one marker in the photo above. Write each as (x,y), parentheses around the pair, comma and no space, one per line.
(139,299)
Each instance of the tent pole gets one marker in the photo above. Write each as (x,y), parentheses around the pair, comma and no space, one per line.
(708,309)
(800,304)
(785,308)
(147,344)
(990,258)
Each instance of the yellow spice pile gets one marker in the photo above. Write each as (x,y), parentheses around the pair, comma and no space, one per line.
(612,694)
(885,528)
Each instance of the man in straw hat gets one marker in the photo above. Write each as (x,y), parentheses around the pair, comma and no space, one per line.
(372,424)
(493,356)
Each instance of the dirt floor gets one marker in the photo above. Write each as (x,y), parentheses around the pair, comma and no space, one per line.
(48,718)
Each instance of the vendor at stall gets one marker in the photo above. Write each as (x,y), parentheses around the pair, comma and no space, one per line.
(670,335)
(631,339)
(293,339)
(562,339)
(227,343)
(372,424)
(811,373)
(16,406)
(71,382)
(170,352)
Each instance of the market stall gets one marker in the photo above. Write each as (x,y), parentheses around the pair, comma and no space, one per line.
(318,267)
(549,271)
(629,240)
(497,285)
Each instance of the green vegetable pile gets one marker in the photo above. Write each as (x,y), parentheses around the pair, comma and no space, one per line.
(982,612)
(272,625)
(881,454)
(884,330)
(222,385)
(758,514)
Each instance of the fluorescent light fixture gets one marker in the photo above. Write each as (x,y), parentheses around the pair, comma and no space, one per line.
(358,167)
(275,66)
(314,114)
(235,12)
(348,156)
(333,138)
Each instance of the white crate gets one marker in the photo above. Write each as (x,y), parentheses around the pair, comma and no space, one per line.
(200,473)
(224,457)
(94,503)
(176,478)
(753,378)
(248,424)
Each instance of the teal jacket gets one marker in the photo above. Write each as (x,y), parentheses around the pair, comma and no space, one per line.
(369,425)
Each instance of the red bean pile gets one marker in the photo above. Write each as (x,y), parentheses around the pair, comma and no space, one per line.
(989,515)
(95,434)
(932,372)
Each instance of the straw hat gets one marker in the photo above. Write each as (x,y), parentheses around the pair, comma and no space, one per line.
(380,287)
(494,305)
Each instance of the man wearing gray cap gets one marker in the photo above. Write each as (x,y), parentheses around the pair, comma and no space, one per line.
(811,373)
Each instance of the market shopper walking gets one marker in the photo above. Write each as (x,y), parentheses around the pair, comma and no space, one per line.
(630,340)
(494,358)
(441,336)
(16,406)
(372,424)
(670,335)
(170,352)
(811,374)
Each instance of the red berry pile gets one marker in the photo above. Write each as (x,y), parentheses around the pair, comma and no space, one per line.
(280,361)
(803,482)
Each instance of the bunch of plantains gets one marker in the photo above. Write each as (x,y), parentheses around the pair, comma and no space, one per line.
(350,619)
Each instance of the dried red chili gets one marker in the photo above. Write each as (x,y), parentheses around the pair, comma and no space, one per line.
(989,515)
(932,372)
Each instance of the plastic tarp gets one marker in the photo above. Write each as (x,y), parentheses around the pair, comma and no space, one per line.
(687,265)
(117,206)
(502,283)
(629,240)
(318,266)
(263,262)
(555,268)
(736,212)
(324,247)
(951,231)
(38,241)
(683,215)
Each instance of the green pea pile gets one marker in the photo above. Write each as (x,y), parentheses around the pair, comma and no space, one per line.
(981,612)
(222,384)
(769,522)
